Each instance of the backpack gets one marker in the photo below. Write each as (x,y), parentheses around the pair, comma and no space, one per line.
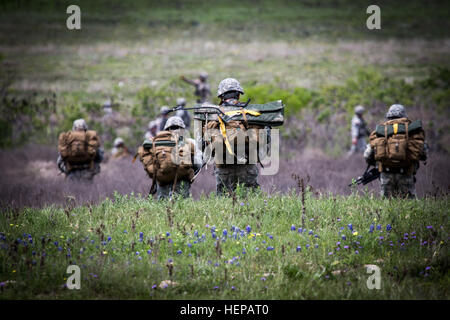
(78,147)
(156,157)
(232,129)
(398,143)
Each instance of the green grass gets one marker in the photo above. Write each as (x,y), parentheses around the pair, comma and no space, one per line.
(413,268)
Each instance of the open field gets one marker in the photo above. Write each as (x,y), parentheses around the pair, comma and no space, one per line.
(315,55)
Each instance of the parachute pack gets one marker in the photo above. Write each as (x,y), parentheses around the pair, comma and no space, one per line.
(223,124)
(78,148)
(398,143)
(157,157)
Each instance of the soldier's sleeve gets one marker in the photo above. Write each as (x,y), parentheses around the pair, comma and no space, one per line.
(60,163)
(355,128)
(198,156)
(99,156)
(369,155)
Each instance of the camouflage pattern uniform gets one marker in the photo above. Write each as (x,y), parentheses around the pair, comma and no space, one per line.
(359,131)
(119,150)
(396,182)
(183,114)
(162,119)
(152,130)
(202,89)
(81,172)
(182,187)
(229,175)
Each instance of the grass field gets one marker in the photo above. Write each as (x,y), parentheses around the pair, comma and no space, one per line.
(316,55)
(247,248)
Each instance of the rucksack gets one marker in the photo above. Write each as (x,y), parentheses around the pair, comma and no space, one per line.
(223,130)
(398,143)
(156,157)
(78,147)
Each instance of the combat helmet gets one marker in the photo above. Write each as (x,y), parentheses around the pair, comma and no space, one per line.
(118,141)
(181,102)
(79,125)
(174,122)
(164,110)
(203,76)
(396,111)
(359,110)
(227,85)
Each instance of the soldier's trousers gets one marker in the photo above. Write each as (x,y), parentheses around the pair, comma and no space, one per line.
(81,175)
(359,147)
(397,185)
(229,175)
(181,188)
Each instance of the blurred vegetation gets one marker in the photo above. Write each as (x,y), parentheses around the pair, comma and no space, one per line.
(285,19)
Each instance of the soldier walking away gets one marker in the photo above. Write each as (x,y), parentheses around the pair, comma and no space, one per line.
(79,152)
(182,183)
(359,131)
(202,90)
(119,149)
(152,130)
(183,114)
(163,116)
(228,176)
(396,147)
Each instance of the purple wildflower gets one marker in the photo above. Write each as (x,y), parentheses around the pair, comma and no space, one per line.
(379,227)
(388,227)
(149,251)
(299,248)
(269,248)
(330,253)
(263,279)
(300,230)
(350,227)
(225,232)
(248,229)
(429,227)
(293,228)
(371,228)
(179,252)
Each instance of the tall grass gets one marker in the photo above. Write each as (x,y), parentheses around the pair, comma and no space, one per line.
(216,248)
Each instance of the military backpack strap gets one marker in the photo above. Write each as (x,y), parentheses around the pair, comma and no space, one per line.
(155,162)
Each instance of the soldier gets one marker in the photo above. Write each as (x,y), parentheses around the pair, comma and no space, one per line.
(397,159)
(359,131)
(119,150)
(163,116)
(72,148)
(182,187)
(152,130)
(183,114)
(229,175)
(202,90)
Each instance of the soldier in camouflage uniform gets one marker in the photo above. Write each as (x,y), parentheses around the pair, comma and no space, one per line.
(183,114)
(399,181)
(163,116)
(229,175)
(84,173)
(175,124)
(119,149)
(359,131)
(202,90)
(152,130)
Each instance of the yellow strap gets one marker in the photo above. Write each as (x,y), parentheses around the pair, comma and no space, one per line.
(243,112)
(232,114)
(134,159)
(395,128)
(224,135)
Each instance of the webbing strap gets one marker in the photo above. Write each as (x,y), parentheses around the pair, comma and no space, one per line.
(232,113)
(395,128)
